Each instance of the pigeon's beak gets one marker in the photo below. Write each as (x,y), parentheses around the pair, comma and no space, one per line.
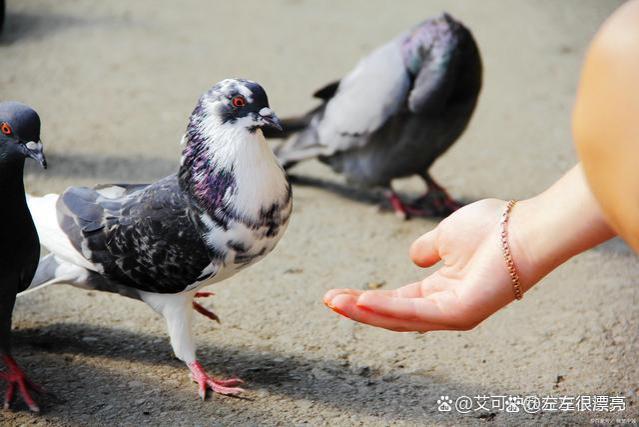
(35,151)
(268,118)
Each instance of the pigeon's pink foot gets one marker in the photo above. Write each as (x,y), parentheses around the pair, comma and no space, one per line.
(404,210)
(400,209)
(15,377)
(200,308)
(205,381)
(204,294)
(435,203)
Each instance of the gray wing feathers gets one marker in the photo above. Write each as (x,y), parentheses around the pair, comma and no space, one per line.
(375,90)
(138,235)
(356,107)
(80,204)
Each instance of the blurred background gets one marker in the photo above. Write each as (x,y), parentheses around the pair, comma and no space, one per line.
(114,83)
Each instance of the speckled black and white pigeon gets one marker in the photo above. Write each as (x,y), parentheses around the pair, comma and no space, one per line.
(395,113)
(224,210)
(19,244)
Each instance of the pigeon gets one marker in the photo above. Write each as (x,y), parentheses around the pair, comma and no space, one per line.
(19,244)
(392,116)
(224,210)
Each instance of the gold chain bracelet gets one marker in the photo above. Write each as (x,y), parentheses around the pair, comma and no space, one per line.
(514,277)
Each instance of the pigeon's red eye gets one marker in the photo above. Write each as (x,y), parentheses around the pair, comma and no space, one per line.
(6,129)
(239,101)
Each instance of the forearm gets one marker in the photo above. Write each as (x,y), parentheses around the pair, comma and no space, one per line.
(550,228)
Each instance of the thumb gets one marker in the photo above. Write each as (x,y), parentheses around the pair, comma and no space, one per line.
(424,251)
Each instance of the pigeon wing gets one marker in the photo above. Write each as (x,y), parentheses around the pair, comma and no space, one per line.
(327,92)
(138,235)
(440,73)
(364,100)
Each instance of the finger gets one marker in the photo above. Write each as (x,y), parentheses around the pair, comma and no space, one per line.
(424,251)
(328,296)
(409,291)
(415,309)
(413,290)
(346,305)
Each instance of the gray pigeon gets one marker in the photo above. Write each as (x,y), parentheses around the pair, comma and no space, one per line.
(224,210)
(395,113)
(19,244)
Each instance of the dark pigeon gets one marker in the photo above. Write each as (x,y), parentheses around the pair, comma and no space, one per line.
(401,108)
(225,209)
(19,244)
(2,13)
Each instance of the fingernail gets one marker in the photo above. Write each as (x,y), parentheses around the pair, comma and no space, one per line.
(335,309)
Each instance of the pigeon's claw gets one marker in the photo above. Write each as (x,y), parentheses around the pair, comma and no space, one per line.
(436,201)
(205,381)
(433,204)
(15,377)
(400,209)
(204,294)
(201,309)
(205,312)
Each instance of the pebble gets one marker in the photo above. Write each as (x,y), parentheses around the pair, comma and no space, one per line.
(389,377)
(363,371)
(376,284)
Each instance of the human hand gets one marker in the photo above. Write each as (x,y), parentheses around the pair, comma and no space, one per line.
(472,284)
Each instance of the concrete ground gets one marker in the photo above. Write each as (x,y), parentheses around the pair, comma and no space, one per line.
(114,83)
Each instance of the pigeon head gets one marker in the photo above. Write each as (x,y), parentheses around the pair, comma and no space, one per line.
(224,146)
(429,40)
(20,133)
(236,102)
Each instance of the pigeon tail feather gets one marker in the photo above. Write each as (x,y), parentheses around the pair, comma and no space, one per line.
(52,270)
(52,237)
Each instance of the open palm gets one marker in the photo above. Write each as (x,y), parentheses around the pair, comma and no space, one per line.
(472,284)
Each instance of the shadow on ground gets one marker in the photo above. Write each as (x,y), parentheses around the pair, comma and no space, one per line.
(105,168)
(358,194)
(67,357)
(25,25)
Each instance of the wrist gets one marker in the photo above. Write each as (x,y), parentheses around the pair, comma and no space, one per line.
(528,236)
(548,229)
